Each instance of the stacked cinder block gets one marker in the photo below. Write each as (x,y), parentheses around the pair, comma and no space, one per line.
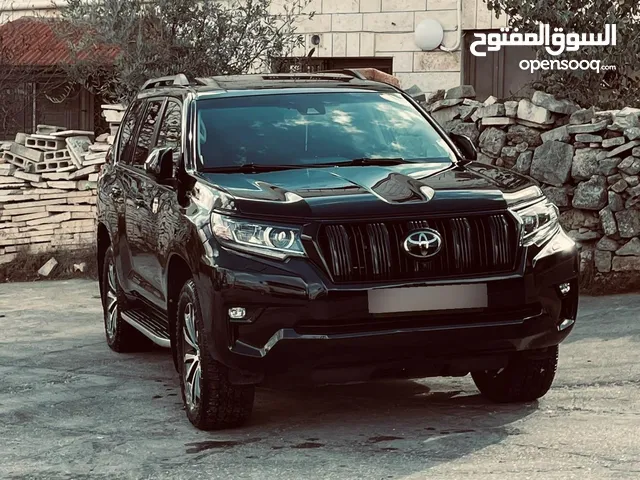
(48,184)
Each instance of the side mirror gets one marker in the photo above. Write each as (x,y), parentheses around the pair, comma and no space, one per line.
(465,145)
(159,163)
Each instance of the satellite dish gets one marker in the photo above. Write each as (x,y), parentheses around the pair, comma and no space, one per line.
(429,34)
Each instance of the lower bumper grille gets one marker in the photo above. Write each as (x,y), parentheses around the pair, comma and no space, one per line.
(370,252)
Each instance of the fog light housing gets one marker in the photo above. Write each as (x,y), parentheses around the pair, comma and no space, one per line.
(237,313)
(564,288)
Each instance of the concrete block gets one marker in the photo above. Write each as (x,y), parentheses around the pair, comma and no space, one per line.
(31,177)
(93,177)
(78,148)
(39,184)
(26,152)
(54,165)
(86,185)
(48,267)
(62,184)
(44,142)
(56,175)
(19,161)
(99,147)
(21,138)
(68,208)
(73,133)
(83,172)
(57,155)
(48,129)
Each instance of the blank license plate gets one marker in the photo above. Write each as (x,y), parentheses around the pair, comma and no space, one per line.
(420,299)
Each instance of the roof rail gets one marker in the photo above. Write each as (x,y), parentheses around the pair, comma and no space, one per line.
(346,71)
(179,80)
(306,76)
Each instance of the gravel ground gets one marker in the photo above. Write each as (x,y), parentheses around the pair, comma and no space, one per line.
(71,408)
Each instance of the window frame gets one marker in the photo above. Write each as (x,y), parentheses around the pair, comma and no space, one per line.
(118,143)
(154,137)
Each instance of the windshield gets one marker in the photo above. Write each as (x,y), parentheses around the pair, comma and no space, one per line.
(314,128)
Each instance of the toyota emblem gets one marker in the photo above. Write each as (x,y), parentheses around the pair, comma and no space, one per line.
(423,243)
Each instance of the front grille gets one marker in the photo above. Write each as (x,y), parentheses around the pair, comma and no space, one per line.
(373,252)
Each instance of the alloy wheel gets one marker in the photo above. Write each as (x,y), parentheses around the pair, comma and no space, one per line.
(192,368)
(112,302)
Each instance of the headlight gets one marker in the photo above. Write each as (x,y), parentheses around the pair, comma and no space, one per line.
(271,240)
(538,221)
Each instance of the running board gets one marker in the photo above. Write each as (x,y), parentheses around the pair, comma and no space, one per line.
(154,327)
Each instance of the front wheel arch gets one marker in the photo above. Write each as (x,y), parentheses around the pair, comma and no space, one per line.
(178,273)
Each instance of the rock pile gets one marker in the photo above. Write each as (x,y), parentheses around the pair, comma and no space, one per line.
(587,162)
(48,188)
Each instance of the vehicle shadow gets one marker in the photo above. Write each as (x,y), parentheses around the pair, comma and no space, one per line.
(403,417)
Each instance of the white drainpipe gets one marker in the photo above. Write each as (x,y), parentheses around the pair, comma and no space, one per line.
(459,39)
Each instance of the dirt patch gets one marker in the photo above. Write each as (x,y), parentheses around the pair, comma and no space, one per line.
(24,268)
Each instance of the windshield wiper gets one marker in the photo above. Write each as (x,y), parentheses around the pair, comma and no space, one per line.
(365,161)
(249,168)
(258,167)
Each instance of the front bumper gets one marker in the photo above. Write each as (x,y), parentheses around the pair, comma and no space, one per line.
(301,327)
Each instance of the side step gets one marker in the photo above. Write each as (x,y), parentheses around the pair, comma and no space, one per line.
(151,325)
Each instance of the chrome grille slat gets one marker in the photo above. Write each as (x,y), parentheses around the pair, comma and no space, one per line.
(373,251)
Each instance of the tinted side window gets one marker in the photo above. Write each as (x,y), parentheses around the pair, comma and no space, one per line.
(128,127)
(170,134)
(147,130)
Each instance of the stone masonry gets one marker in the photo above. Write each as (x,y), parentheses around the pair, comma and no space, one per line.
(586,161)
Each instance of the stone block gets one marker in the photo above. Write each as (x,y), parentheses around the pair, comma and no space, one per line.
(615,201)
(632,133)
(468,129)
(384,22)
(549,102)
(613,142)
(630,166)
(552,163)
(588,128)
(623,148)
(492,140)
(558,195)
(522,134)
(440,104)
(630,249)
(625,264)
(511,108)
(73,133)
(602,261)
(584,115)
(588,138)
(592,194)
(497,121)
(628,223)
(632,180)
(608,221)
(62,184)
(533,113)
(463,91)
(584,164)
(559,134)
(608,166)
(607,244)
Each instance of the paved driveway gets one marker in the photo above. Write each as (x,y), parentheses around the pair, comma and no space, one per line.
(71,408)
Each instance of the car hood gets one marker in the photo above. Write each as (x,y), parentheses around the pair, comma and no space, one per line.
(361,191)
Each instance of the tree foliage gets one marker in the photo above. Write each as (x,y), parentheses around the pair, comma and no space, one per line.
(156,38)
(612,89)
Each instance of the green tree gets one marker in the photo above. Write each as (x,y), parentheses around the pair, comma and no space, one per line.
(611,89)
(162,37)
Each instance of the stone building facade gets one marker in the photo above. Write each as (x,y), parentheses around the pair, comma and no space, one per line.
(364,33)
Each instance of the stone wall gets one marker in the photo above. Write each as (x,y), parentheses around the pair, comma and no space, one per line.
(587,162)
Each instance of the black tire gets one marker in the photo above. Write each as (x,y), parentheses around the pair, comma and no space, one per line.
(210,400)
(121,337)
(528,377)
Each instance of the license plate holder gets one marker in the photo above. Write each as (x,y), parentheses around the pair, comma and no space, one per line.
(431,298)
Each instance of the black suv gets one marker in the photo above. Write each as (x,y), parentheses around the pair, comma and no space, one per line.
(322,228)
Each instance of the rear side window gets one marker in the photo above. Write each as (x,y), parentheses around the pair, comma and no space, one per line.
(147,132)
(126,142)
(170,133)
